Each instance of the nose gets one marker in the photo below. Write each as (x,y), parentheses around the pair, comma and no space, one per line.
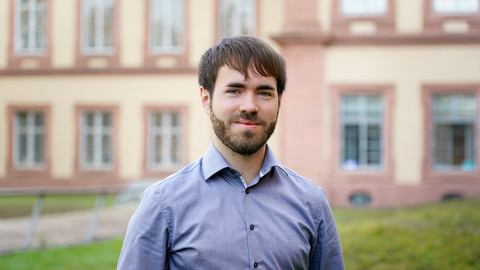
(249,103)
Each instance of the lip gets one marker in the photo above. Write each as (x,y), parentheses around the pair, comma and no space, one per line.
(248,124)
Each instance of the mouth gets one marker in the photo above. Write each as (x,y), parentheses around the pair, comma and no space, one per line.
(248,124)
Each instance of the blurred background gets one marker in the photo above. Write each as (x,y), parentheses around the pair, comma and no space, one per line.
(99,98)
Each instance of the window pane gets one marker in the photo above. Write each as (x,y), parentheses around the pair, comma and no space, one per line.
(106,120)
(90,149)
(38,154)
(107,149)
(166,24)
(22,119)
(98,25)
(351,147)
(373,144)
(454,125)
(97,142)
(164,146)
(363,7)
(29,139)
(30,26)
(158,120)
(89,119)
(22,149)
(361,119)
(455,6)
(40,27)
(108,26)
(174,149)
(237,17)
(158,149)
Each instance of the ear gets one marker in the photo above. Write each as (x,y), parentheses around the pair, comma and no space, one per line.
(205,99)
(280,101)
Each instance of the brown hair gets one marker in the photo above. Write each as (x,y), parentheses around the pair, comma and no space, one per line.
(241,53)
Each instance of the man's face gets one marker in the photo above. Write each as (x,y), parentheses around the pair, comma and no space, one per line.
(243,111)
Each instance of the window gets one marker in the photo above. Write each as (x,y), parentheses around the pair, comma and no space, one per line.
(360,199)
(98,26)
(363,17)
(164,140)
(29,139)
(452,16)
(361,132)
(96,147)
(455,6)
(166,25)
(237,17)
(31,25)
(364,7)
(454,131)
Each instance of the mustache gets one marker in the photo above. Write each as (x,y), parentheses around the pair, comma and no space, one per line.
(247,117)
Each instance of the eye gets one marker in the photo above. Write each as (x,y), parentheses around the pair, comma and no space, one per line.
(265,93)
(232,91)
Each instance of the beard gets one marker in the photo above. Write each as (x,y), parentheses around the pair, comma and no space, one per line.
(245,143)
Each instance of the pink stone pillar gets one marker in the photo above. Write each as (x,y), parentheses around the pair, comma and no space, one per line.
(301,111)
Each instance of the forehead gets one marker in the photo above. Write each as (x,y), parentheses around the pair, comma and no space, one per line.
(227,75)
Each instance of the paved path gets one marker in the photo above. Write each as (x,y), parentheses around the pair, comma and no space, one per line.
(64,229)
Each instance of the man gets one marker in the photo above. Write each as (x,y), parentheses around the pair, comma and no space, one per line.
(236,207)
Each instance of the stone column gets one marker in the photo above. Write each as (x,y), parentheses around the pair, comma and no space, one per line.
(300,118)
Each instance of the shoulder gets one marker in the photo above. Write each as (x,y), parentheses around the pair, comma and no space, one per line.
(184,180)
(303,184)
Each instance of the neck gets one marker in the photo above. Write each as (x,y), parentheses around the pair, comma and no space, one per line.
(248,166)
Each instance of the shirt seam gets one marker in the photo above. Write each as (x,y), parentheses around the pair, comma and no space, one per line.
(167,217)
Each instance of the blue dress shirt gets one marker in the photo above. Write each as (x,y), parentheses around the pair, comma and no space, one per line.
(206,217)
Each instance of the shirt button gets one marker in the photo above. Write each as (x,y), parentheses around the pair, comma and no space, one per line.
(247,190)
(255,264)
(252,227)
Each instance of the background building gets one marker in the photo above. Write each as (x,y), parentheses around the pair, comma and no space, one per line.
(381,107)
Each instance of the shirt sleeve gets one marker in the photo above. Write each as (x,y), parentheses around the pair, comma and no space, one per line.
(326,252)
(147,238)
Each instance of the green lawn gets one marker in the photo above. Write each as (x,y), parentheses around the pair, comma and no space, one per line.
(17,206)
(438,236)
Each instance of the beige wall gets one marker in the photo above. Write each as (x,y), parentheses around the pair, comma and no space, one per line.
(4,26)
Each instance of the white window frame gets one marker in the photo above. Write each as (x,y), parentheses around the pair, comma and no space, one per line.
(363,121)
(100,41)
(237,17)
(363,7)
(455,6)
(97,131)
(36,38)
(167,131)
(170,14)
(30,130)
(457,114)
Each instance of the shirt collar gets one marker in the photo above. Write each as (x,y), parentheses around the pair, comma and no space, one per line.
(214,162)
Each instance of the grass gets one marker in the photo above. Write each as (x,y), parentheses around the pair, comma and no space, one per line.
(438,236)
(17,206)
(95,256)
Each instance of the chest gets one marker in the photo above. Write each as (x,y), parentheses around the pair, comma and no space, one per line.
(236,230)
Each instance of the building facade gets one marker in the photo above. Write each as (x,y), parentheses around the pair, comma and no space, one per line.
(381,106)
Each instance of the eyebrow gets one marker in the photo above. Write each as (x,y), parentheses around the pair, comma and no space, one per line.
(265,87)
(236,85)
(241,85)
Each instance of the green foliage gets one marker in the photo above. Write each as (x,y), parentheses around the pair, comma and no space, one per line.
(439,236)
(17,206)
